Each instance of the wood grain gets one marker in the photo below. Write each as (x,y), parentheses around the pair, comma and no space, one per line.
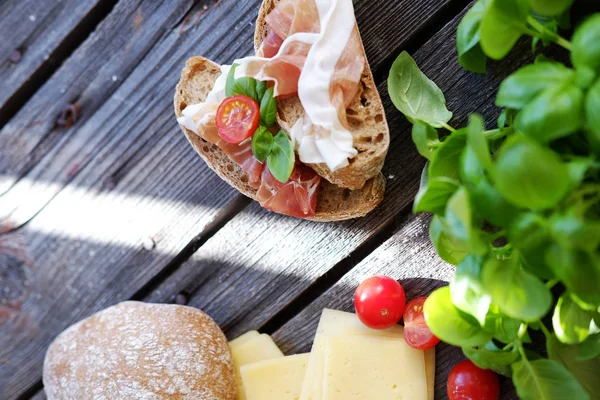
(36,35)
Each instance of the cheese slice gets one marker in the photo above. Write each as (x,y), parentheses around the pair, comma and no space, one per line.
(257,348)
(367,368)
(277,379)
(336,323)
(241,340)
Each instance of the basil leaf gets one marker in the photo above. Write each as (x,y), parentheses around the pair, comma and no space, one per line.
(550,8)
(546,380)
(261,88)
(592,105)
(529,234)
(573,231)
(529,175)
(516,292)
(506,118)
(578,167)
(425,138)
(281,160)
(590,348)
(491,357)
(268,108)
(459,217)
(449,249)
(491,205)
(467,292)
(447,158)
(578,270)
(434,196)
(470,54)
(504,328)
(571,323)
(584,371)
(246,87)
(470,169)
(415,95)
(478,141)
(585,51)
(230,84)
(502,25)
(450,324)
(556,112)
(521,87)
(262,143)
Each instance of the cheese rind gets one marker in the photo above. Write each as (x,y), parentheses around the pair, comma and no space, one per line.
(257,348)
(366,368)
(277,379)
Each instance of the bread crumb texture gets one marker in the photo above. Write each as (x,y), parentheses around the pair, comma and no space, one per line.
(141,351)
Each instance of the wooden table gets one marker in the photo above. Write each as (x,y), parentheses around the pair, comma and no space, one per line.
(110,203)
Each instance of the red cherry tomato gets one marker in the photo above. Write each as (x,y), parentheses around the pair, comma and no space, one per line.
(469,382)
(379,302)
(237,118)
(416,332)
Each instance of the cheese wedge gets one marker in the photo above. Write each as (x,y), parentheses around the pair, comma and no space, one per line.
(257,348)
(277,379)
(367,368)
(241,340)
(336,323)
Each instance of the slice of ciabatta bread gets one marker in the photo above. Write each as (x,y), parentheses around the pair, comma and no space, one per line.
(334,203)
(366,118)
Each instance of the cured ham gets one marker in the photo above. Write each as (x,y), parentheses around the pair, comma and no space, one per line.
(297,197)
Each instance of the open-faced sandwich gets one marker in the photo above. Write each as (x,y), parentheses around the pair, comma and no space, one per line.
(300,126)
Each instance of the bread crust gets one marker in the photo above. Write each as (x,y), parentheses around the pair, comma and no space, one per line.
(366,118)
(137,350)
(334,203)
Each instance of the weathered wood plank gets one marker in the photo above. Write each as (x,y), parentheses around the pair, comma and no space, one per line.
(36,35)
(243,277)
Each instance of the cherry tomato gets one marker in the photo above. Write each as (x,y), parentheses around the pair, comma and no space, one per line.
(416,332)
(379,302)
(469,382)
(237,118)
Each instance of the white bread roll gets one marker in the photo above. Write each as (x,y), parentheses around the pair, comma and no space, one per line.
(141,351)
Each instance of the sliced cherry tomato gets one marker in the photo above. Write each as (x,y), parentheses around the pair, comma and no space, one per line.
(416,332)
(379,302)
(237,118)
(469,382)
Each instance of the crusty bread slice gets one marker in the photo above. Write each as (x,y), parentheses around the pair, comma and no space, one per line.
(366,118)
(334,203)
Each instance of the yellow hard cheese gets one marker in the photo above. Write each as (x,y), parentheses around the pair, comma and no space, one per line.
(250,350)
(339,323)
(277,379)
(241,340)
(367,367)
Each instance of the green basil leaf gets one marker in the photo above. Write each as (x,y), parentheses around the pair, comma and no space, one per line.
(578,167)
(425,138)
(530,235)
(459,217)
(268,108)
(590,348)
(281,160)
(262,143)
(466,290)
(585,51)
(556,112)
(489,204)
(579,271)
(415,95)
(261,88)
(503,23)
(516,292)
(449,249)
(478,141)
(584,371)
(546,380)
(503,327)
(246,87)
(521,87)
(470,54)
(571,323)
(446,161)
(492,357)
(592,105)
(506,118)
(450,324)
(550,8)
(470,169)
(573,231)
(434,196)
(230,84)
(529,175)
